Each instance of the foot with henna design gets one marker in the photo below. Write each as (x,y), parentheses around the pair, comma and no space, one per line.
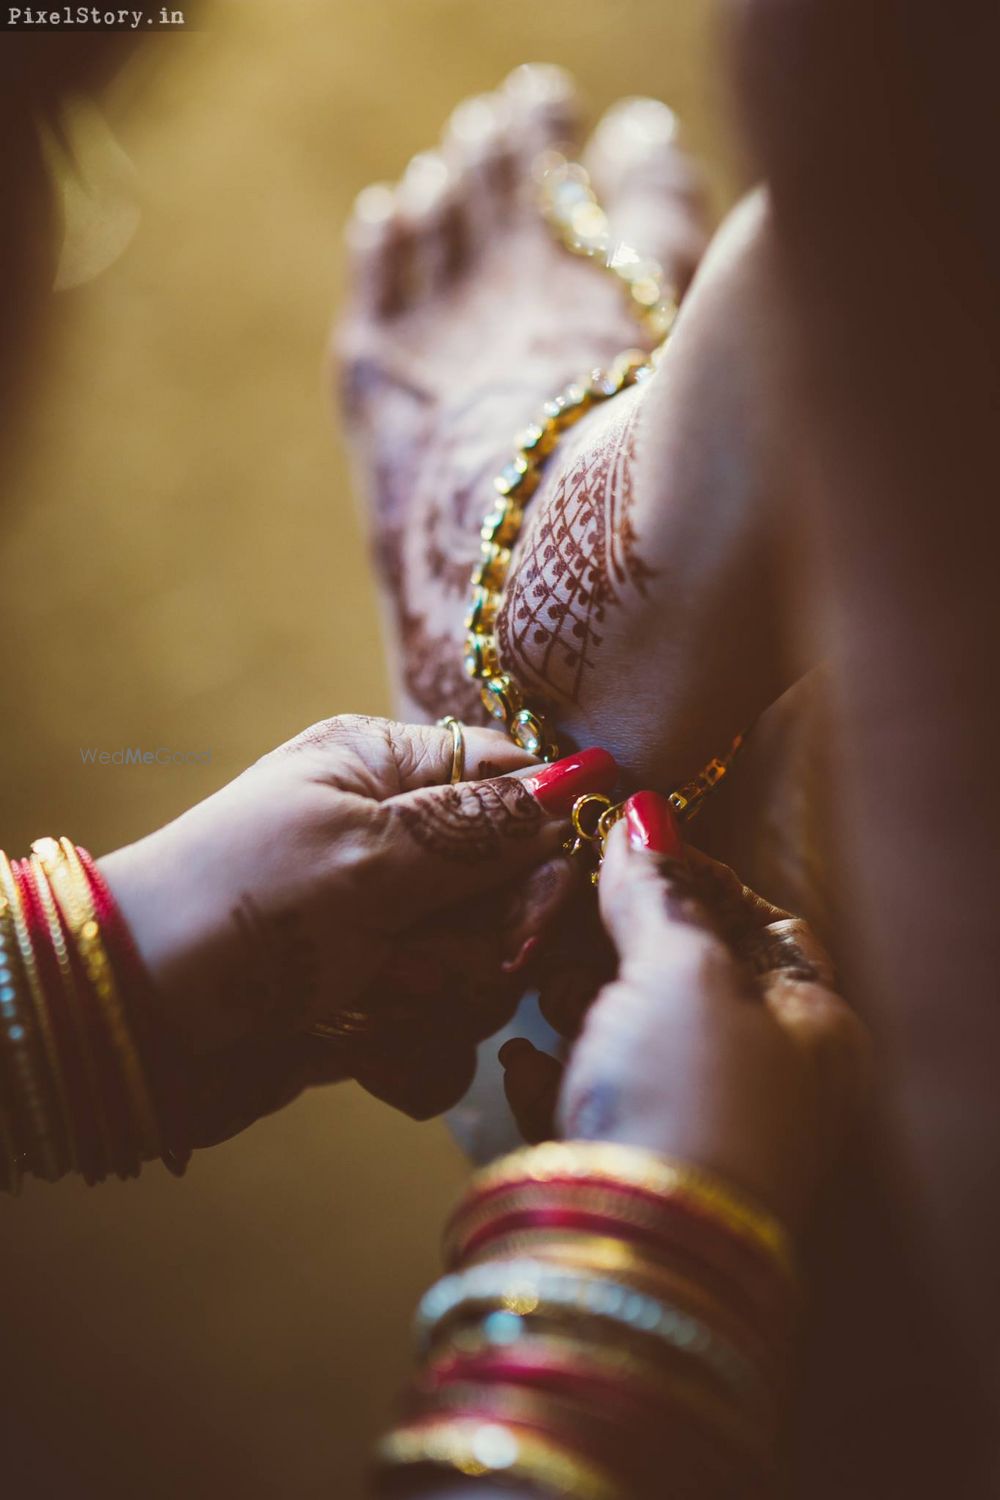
(642,609)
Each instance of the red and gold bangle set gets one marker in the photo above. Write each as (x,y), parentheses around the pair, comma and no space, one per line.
(76,1094)
(611,1317)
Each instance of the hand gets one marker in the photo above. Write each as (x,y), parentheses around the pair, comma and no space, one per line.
(721,1041)
(342,876)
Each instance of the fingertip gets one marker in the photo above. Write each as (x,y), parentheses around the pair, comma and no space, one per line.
(515,1047)
(651,823)
(557,786)
(531,1084)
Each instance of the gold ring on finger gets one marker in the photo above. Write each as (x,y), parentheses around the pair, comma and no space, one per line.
(457,746)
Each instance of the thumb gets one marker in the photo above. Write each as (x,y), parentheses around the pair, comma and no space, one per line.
(445,843)
(648,898)
(531,1081)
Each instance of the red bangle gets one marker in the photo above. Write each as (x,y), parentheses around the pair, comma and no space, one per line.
(746,1282)
(637,1404)
(136,986)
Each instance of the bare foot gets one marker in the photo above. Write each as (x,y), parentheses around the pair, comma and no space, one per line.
(466,317)
(643,605)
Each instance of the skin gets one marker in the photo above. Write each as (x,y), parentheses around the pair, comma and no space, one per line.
(886,238)
(871,272)
(447,351)
(712,1043)
(385,893)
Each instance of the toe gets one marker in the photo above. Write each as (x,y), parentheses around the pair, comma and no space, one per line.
(477,148)
(427,208)
(544,106)
(376,250)
(652,191)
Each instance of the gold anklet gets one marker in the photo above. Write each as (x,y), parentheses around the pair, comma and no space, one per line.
(570,207)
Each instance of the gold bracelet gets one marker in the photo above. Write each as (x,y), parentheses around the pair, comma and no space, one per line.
(500,1449)
(23,1017)
(71,889)
(648,1172)
(78,1020)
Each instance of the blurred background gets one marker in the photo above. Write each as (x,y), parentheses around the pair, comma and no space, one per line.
(181,566)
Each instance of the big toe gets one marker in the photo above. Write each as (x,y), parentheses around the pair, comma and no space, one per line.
(652,191)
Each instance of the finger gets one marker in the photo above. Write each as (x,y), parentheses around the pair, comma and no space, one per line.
(788,948)
(648,903)
(835,1042)
(381,758)
(433,847)
(531,909)
(423,1081)
(574,962)
(742,912)
(531,1082)
(768,938)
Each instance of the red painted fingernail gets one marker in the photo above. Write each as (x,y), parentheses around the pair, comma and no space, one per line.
(651,824)
(557,786)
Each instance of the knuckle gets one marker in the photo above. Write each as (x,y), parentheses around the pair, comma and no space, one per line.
(321,735)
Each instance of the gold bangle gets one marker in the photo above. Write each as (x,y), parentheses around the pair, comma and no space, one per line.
(46,1154)
(71,889)
(646,1171)
(500,1449)
(78,1019)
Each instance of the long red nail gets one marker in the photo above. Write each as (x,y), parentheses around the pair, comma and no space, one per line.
(557,787)
(651,824)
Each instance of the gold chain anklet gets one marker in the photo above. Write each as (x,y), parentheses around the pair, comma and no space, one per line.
(569,205)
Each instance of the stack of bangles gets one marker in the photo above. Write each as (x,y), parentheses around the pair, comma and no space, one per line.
(77,1094)
(616,1325)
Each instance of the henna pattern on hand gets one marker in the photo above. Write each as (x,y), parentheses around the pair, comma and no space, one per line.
(580,553)
(469,822)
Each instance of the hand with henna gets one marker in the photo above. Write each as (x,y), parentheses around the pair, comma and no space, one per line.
(343,883)
(721,1040)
